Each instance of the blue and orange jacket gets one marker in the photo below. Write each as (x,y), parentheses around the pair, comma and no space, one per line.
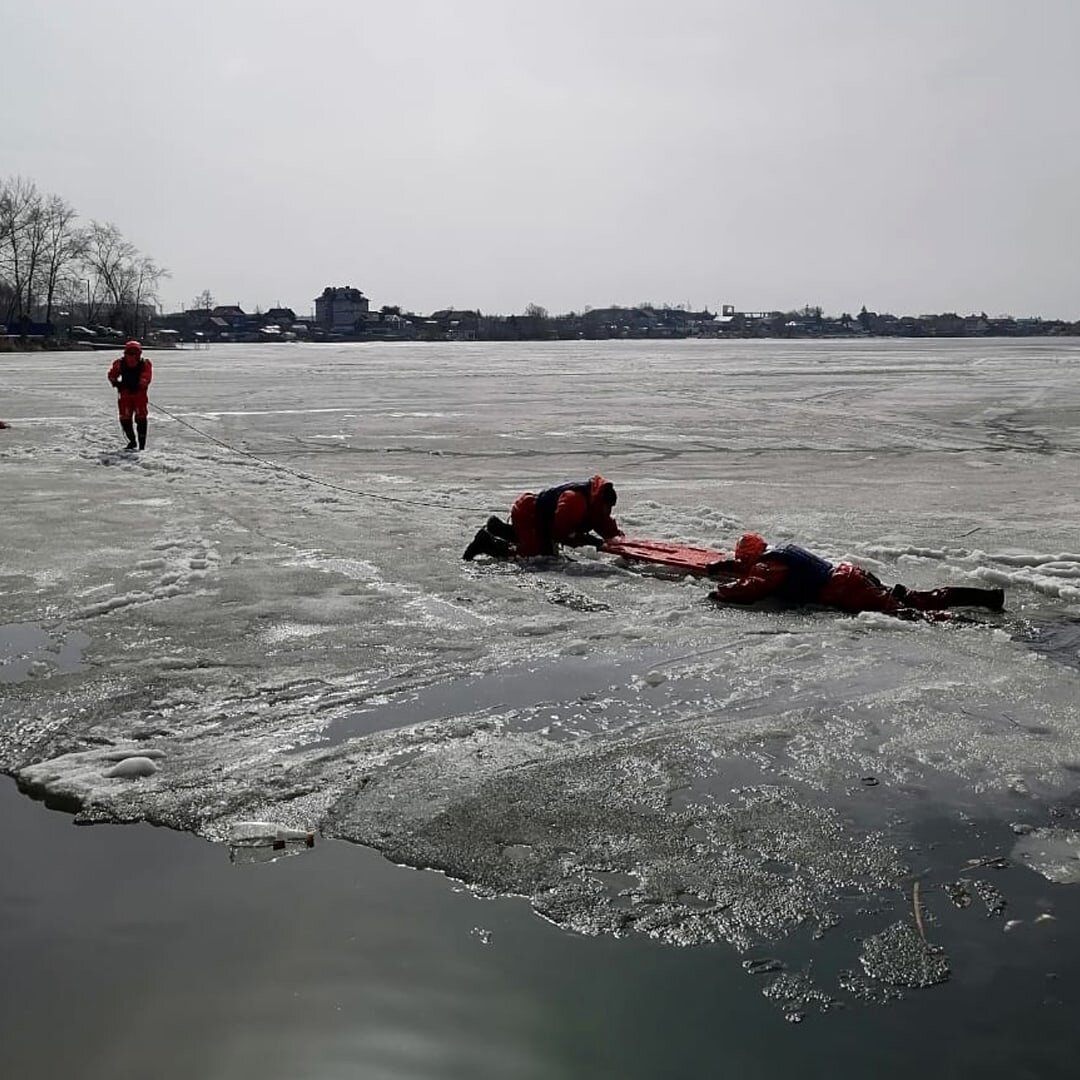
(131,378)
(570,509)
(789,573)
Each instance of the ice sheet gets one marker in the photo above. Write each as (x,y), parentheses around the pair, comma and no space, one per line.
(242,609)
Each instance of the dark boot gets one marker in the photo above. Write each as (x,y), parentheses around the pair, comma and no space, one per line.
(950,596)
(502,529)
(991,599)
(483,543)
(128,429)
(140,426)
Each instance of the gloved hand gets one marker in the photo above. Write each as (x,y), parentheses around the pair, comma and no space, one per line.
(583,540)
(722,568)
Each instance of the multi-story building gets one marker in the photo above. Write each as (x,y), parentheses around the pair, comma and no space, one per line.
(340,309)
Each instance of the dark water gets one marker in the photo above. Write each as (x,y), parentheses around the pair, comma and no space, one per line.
(1059,640)
(515,687)
(24,645)
(135,952)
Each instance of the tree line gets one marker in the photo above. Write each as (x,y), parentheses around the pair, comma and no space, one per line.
(50,262)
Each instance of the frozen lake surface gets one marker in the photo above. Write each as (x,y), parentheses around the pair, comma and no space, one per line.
(599,740)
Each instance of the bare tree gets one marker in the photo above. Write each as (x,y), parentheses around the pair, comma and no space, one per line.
(7,289)
(203,302)
(70,294)
(108,258)
(94,295)
(34,251)
(146,275)
(125,279)
(135,291)
(63,247)
(21,232)
(46,260)
(10,225)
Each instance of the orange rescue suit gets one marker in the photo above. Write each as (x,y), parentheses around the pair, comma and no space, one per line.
(132,380)
(557,515)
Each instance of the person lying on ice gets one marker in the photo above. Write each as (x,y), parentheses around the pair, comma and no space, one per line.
(569,514)
(131,375)
(797,576)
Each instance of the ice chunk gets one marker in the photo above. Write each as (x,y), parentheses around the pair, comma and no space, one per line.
(133,768)
(899,957)
(1054,853)
(124,755)
(73,780)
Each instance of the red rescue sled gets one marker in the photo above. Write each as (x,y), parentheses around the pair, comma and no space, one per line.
(680,557)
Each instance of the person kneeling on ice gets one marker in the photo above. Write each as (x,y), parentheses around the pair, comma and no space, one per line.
(131,375)
(797,576)
(569,514)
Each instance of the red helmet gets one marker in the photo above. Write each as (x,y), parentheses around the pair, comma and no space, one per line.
(749,548)
(132,348)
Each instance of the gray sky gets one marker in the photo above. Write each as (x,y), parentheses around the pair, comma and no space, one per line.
(913,156)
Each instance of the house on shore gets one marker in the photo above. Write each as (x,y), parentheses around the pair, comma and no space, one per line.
(451,324)
(341,309)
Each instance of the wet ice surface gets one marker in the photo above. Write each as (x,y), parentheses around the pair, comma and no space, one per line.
(597,739)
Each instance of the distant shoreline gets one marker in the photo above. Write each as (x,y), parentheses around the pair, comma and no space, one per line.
(29,345)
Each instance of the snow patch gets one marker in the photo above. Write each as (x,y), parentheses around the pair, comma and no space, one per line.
(894,552)
(112,604)
(880,620)
(287,630)
(1044,584)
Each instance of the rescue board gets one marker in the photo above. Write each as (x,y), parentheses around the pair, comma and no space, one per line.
(681,557)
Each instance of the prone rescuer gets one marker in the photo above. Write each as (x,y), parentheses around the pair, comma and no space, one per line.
(796,576)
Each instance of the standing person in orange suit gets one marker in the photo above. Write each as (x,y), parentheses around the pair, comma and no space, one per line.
(131,375)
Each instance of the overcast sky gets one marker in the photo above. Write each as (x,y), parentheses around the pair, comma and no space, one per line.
(915,155)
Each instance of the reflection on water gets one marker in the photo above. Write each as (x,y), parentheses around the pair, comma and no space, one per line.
(518,687)
(339,964)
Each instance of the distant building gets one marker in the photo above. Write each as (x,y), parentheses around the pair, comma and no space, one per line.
(232,314)
(451,324)
(340,308)
(279,316)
